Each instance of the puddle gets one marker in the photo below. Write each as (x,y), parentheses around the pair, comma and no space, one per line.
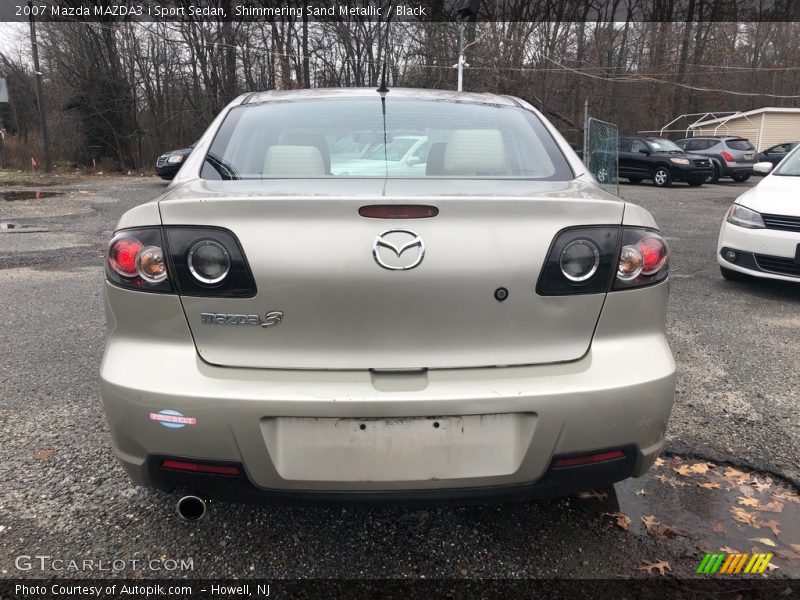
(716,507)
(17,196)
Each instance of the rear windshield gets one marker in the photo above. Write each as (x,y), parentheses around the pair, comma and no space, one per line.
(739,144)
(357,138)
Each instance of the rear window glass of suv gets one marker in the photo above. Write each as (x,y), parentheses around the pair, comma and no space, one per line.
(739,145)
(303,139)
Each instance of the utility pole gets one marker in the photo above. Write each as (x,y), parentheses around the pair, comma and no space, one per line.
(48,159)
(468,11)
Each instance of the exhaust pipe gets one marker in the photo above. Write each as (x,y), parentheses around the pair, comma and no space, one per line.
(191,508)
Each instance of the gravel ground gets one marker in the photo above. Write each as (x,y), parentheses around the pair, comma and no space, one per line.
(64,495)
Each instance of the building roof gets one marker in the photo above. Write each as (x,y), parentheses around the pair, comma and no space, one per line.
(749,113)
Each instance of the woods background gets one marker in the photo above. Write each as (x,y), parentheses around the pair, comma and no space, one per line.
(122,92)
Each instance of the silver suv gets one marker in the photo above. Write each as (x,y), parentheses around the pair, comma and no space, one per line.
(730,156)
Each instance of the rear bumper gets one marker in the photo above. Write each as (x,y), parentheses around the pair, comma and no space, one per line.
(512,420)
(731,169)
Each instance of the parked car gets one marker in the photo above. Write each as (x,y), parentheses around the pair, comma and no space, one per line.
(169,163)
(731,156)
(776,154)
(490,325)
(661,161)
(760,235)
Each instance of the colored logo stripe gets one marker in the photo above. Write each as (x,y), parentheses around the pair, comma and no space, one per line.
(723,563)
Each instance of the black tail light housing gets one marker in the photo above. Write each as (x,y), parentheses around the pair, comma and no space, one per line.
(184,244)
(599,259)
(180,259)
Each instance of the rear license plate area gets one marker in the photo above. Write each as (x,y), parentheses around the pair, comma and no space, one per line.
(398,450)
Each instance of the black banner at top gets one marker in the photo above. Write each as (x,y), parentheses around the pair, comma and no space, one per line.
(402,10)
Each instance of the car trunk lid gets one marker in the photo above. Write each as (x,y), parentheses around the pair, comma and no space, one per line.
(313,258)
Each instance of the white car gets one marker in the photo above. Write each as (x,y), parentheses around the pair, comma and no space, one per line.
(760,235)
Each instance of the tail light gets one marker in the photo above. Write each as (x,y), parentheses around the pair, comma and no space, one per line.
(727,156)
(136,260)
(591,260)
(193,261)
(208,261)
(643,259)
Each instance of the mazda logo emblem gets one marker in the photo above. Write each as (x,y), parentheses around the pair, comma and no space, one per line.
(394,249)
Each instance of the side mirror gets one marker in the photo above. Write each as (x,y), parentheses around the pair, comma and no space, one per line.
(645,152)
(413,160)
(762,167)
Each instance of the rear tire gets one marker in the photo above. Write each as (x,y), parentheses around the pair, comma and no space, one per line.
(740,178)
(635,179)
(733,275)
(662,177)
(714,177)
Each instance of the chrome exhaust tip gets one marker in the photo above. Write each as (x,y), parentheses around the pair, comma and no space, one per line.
(191,508)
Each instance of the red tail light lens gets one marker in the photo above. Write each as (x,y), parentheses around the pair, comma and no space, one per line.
(122,255)
(654,254)
(727,156)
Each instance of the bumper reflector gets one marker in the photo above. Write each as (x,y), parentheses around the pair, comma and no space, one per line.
(192,467)
(588,459)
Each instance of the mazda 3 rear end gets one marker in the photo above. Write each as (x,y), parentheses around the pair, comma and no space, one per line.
(348,295)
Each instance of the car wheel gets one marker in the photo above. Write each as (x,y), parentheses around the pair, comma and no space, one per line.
(740,178)
(733,275)
(714,177)
(662,177)
(635,179)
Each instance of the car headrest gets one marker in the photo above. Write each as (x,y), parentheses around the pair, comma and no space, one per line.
(475,152)
(293,161)
(435,164)
(304,138)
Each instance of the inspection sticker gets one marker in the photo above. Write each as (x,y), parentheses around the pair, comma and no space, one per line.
(172,419)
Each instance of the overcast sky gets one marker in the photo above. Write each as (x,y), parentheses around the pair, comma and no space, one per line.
(11,36)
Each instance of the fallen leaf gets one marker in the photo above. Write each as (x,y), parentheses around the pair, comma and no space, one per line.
(650,522)
(44,454)
(772,567)
(761,487)
(659,462)
(774,506)
(748,501)
(668,533)
(670,481)
(641,492)
(623,520)
(661,565)
(772,525)
(464,572)
(728,550)
(732,474)
(787,554)
(787,496)
(743,516)
(684,470)
(589,494)
(699,468)
(795,547)
(718,528)
(709,485)
(765,541)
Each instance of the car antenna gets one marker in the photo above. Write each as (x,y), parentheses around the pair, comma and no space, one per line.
(383,88)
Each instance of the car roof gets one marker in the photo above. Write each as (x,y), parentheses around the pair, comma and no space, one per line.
(371,92)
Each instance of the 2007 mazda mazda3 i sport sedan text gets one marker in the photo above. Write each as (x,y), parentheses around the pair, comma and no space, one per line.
(349,294)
